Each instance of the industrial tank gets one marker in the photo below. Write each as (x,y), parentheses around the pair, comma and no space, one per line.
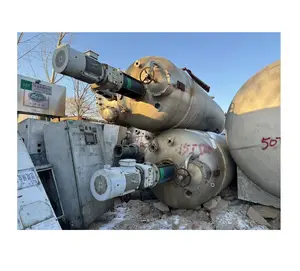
(152,95)
(204,166)
(156,96)
(253,128)
(172,99)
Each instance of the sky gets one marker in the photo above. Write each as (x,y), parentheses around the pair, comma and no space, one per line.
(224,61)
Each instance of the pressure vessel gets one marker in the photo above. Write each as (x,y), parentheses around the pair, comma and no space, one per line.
(203,162)
(253,128)
(172,100)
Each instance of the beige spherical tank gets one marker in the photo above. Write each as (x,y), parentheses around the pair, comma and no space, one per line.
(172,100)
(204,166)
(253,128)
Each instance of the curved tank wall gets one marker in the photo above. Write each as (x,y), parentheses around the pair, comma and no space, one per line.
(253,128)
(173,100)
(203,154)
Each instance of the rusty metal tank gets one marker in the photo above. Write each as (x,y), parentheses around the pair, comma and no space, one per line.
(204,166)
(253,128)
(172,100)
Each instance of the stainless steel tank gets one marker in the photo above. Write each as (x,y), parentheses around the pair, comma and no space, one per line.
(204,166)
(172,100)
(140,137)
(253,128)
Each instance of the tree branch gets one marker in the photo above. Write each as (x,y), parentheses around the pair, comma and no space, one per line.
(30,38)
(85,89)
(88,107)
(29,50)
(32,69)
(83,100)
(20,37)
(61,37)
(45,62)
(91,97)
(59,79)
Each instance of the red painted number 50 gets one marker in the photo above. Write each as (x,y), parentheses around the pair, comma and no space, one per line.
(269,142)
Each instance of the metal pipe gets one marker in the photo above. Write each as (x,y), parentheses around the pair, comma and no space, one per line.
(126,151)
(197,80)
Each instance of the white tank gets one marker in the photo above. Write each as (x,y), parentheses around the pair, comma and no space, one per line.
(253,128)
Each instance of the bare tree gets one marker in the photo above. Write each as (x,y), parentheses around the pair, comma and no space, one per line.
(83,102)
(46,57)
(36,52)
(25,47)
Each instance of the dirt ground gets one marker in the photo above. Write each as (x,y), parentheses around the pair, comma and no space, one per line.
(224,212)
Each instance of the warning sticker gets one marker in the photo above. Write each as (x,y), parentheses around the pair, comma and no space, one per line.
(27,178)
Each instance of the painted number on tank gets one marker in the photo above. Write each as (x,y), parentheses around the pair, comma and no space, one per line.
(188,148)
(269,142)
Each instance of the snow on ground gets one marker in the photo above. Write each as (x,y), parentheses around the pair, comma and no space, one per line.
(120,214)
(224,212)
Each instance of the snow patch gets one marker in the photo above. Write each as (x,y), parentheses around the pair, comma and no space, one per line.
(120,216)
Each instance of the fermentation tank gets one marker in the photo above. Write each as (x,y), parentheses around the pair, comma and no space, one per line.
(153,94)
(253,129)
(176,124)
(172,100)
(204,166)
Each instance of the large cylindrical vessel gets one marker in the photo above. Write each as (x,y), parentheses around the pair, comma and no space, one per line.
(253,128)
(204,166)
(172,100)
